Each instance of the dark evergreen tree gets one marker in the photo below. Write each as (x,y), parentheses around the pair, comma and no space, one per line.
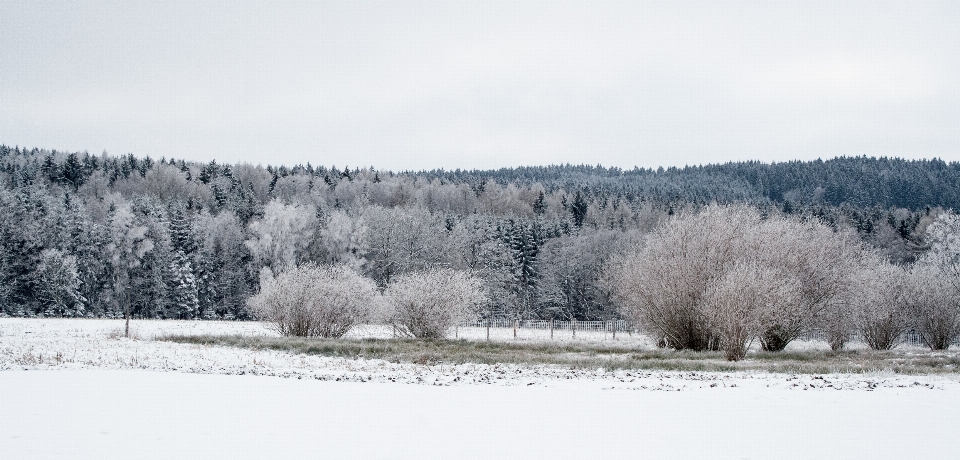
(578,209)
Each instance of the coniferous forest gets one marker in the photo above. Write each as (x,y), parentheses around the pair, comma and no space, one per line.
(95,235)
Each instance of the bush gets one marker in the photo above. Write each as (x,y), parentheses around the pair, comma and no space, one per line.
(934,307)
(813,258)
(882,305)
(312,301)
(429,304)
(660,285)
(737,303)
(682,285)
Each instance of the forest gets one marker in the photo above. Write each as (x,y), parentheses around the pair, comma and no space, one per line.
(94,235)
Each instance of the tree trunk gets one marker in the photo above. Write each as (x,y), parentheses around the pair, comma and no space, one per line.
(126,315)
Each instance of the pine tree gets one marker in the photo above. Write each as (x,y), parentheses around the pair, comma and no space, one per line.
(578,209)
(185,302)
(181,232)
(539,206)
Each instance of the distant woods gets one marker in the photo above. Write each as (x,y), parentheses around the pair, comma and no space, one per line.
(93,235)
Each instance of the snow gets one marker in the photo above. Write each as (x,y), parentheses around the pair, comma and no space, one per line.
(69,389)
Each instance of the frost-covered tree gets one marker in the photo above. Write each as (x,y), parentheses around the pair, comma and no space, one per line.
(401,241)
(569,284)
(58,284)
(476,248)
(228,283)
(185,296)
(943,235)
(128,244)
(343,240)
(477,220)
(315,301)
(279,240)
(430,304)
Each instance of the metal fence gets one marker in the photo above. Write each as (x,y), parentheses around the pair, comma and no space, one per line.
(910,338)
(599,326)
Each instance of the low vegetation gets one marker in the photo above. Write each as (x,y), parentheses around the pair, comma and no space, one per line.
(729,275)
(587,356)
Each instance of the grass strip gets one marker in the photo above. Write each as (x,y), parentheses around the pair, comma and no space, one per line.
(589,356)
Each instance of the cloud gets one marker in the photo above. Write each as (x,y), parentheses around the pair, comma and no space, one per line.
(483,84)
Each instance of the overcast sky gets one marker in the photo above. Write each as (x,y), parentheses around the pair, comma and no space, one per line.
(482,84)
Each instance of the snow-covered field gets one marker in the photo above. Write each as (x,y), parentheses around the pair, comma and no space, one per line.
(73,389)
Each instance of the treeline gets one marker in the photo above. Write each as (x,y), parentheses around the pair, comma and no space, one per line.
(93,235)
(857,182)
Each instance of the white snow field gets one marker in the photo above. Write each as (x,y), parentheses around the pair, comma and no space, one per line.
(68,389)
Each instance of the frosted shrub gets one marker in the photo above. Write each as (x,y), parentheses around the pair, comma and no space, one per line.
(314,301)
(882,306)
(934,307)
(738,303)
(430,304)
(936,311)
(661,284)
(727,275)
(840,319)
(816,259)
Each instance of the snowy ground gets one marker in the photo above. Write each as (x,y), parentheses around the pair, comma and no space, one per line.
(72,389)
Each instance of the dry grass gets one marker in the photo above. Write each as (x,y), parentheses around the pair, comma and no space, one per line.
(585,356)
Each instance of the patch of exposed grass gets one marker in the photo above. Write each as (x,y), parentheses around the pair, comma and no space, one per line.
(589,356)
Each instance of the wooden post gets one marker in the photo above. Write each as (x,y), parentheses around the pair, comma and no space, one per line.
(488,330)
(573,326)
(551,327)
(515,323)
(615,330)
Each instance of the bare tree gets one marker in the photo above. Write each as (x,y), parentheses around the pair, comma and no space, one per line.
(316,301)
(429,304)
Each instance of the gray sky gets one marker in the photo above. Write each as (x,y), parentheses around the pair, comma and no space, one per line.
(481,84)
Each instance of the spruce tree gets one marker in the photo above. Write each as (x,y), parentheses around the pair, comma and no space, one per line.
(185,302)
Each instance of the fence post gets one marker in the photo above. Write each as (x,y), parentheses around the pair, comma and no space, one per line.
(488,330)
(615,324)
(573,326)
(551,327)
(515,322)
